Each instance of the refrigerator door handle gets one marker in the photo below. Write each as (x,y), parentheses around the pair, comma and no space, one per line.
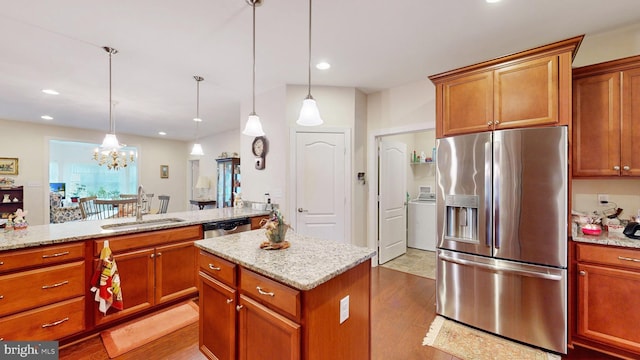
(488,218)
(498,268)
(497,151)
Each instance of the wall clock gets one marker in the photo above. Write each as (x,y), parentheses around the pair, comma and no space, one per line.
(259,149)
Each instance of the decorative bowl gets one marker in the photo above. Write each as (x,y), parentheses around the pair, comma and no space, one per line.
(591,229)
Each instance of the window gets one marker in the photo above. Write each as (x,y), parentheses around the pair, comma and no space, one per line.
(72,163)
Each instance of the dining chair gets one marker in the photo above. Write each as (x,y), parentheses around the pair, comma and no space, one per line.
(108,209)
(128,196)
(87,208)
(164,203)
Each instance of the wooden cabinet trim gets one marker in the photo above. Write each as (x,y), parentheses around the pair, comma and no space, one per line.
(608,255)
(121,243)
(617,65)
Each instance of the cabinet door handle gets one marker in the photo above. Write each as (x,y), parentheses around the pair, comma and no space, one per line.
(1,297)
(159,254)
(229,301)
(55,285)
(262,292)
(55,323)
(616,168)
(628,259)
(626,168)
(213,267)
(583,273)
(239,307)
(489,123)
(55,255)
(1,262)
(152,256)
(496,122)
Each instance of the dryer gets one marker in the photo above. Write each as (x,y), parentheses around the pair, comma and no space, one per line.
(421,231)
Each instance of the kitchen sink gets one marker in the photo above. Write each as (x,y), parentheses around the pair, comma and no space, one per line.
(142,224)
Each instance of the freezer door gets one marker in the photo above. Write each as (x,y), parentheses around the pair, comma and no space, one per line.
(530,195)
(523,302)
(463,193)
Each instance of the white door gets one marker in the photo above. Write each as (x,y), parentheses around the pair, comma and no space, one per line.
(320,185)
(392,195)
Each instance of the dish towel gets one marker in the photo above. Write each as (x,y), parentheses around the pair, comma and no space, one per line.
(105,282)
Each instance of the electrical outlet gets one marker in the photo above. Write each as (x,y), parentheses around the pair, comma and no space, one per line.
(344,309)
(603,199)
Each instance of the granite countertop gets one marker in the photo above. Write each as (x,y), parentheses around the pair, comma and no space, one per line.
(307,263)
(607,238)
(91,229)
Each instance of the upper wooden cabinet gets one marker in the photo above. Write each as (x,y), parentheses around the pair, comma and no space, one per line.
(606,119)
(530,88)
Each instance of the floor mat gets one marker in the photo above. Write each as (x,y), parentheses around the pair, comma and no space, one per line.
(131,335)
(468,343)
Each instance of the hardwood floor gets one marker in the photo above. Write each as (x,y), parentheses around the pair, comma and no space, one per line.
(402,307)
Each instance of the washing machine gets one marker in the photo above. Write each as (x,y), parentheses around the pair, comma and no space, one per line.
(421,232)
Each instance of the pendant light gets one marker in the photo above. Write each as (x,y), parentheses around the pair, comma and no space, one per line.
(309,114)
(253,126)
(108,153)
(197,148)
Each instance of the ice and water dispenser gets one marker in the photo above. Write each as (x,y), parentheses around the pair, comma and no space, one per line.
(462,217)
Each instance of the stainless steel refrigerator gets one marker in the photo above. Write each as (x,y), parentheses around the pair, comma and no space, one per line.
(501,201)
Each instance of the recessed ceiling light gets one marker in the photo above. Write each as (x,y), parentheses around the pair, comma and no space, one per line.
(162,133)
(50,92)
(197,119)
(323,65)
(492,1)
(46,117)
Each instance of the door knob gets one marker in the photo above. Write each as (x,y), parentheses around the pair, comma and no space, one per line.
(302,210)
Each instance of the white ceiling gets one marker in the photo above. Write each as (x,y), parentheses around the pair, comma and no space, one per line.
(371,45)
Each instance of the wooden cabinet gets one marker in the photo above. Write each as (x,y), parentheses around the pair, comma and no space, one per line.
(155,267)
(228,182)
(531,88)
(258,221)
(16,199)
(607,287)
(606,119)
(245,315)
(42,292)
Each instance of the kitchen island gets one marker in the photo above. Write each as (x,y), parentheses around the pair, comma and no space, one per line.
(309,301)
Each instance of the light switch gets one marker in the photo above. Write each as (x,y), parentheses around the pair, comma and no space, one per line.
(344,309)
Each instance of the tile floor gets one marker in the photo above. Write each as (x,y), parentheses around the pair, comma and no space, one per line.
(417,262)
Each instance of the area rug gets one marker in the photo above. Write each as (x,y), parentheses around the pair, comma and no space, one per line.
(134,334)
(471,344)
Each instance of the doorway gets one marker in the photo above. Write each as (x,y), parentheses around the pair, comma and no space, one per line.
(419,139)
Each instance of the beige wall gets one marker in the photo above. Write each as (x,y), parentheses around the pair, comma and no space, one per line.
(29,143)
(213,146)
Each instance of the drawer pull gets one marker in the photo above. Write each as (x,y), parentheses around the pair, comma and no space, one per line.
(55,285)
(262,292)
(1,297)
(583,273)
(213,267)
(628,259)
(55,255)
(229,301)
(1,262)
(55,323)
(239,307)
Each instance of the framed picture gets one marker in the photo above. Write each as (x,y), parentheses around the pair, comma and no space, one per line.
(164,171)
(8,166)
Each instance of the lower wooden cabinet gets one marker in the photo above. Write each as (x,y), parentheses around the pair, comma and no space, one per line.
(47,322)
(608,285)
(265,334)
(245,315)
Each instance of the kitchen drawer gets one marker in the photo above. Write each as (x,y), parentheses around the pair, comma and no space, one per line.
(46,255)
(48,323)
(608,255)
(28,289)
(217,267)
(270,292)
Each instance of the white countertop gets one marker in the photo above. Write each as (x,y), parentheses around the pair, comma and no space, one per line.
(307,263)
(81,230)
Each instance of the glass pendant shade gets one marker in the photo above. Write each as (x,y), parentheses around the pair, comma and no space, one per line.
(253,126)
(110,142)
(309,114)
(197,149)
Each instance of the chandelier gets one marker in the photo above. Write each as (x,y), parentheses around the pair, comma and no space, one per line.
(109,153)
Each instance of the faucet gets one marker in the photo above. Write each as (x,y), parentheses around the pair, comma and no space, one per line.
(142,198)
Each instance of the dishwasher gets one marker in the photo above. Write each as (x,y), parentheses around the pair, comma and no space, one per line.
(226,227)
